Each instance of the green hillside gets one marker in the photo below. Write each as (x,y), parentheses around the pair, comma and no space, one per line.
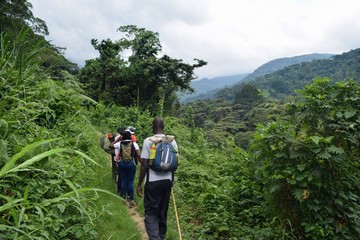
(280,63)
(228,92)
(285,81)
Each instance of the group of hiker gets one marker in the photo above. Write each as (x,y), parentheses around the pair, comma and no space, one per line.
(158,162)
(125,158)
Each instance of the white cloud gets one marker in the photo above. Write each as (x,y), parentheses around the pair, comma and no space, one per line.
(232,36)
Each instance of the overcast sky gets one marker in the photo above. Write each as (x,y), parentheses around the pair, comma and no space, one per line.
(233,36)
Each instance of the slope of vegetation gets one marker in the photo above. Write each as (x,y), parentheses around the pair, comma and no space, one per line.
(280,63)
(284,82)
(43,162)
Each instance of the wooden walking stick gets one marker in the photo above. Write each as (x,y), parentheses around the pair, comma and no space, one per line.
(176,214)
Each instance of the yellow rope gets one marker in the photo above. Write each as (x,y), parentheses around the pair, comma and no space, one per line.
(176,214)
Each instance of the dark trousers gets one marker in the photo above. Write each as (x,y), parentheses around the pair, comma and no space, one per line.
(126,172)
(156,204)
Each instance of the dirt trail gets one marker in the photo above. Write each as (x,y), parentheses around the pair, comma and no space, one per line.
(139,220)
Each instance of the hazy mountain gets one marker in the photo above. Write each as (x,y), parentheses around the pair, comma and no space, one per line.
(206,85)
(267,68)
(281,63)
(284,82)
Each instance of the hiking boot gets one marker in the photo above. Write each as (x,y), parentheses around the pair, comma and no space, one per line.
(132,204)
(125,200)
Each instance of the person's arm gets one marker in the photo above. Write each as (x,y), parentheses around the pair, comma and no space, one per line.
(138,154)
(112,144)
(145,155)
(139,189)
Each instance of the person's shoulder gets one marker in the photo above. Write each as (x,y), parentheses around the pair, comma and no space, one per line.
(148,138)
(147,141)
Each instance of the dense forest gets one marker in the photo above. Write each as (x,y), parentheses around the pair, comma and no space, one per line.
(277,160)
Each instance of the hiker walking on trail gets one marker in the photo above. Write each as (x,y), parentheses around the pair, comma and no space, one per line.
(106,143)
(158,184)
(129,154)
(114,157)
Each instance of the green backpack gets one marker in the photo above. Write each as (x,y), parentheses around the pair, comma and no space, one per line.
(127,152)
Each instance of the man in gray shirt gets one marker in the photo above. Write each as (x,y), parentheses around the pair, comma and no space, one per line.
(157,187)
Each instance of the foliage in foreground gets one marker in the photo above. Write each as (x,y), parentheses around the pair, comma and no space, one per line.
(49,151)
(309,165)
(41,180)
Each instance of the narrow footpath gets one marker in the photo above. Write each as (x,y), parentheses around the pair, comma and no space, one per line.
(139,220)
(136,217)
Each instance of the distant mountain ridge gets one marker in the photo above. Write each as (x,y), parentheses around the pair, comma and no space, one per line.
(284,82)
(206,85)
(280,63)
(219,86)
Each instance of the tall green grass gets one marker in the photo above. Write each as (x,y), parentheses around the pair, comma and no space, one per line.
(50,154)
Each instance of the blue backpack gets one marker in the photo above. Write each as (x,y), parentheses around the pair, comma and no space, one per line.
(165,156)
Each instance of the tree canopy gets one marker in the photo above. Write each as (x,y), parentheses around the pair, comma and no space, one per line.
(131,72)
(14,14)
